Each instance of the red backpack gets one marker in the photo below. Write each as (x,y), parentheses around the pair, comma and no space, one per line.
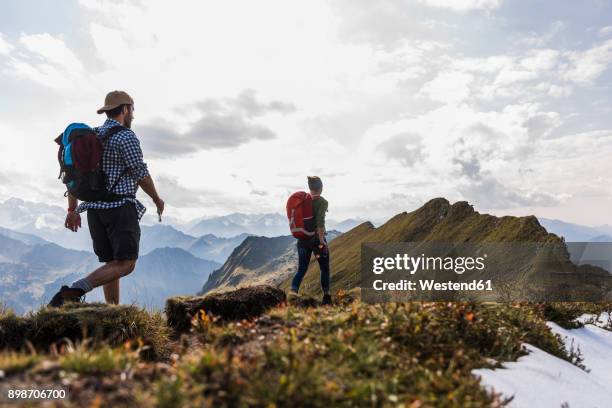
(299,213)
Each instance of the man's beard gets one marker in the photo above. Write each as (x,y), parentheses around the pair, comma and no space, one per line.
(128,122)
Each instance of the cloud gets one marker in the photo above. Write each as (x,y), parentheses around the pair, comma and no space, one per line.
(46,60)
(463,5)
(177,195)
(429,95)
(586,66)
(448,86)
(247,102)
(541,40)
(478,186)
(405,148)
(603,31)
(255,191)
(224,123)
(53,50)
(472,153)
(5,46)
(528,75)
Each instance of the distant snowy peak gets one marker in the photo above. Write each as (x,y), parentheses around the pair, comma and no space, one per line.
(18,214)
(269,225)
(45,221)
(576,232)
(234,224)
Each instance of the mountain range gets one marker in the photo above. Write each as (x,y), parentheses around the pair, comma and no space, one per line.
(37,253)
(576,232)
(207,246)
(31,273)
(32,270)
(258,260)
(162,273)
(47,222)
(26,269)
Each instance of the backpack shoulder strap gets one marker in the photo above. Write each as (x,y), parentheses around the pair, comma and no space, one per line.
(107,135)
(112,131)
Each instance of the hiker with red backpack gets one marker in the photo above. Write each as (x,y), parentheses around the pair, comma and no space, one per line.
(306,213)
(103,167)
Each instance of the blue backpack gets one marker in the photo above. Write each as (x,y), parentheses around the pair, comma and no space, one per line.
(80,158)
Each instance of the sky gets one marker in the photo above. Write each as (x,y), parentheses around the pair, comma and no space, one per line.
(506,104)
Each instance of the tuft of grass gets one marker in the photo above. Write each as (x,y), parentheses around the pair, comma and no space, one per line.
(242,303)
(14,362)
(100,324)
(82,359)
(168,393)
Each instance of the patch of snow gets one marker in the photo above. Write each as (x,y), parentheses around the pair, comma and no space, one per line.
(601,320)
(595,344)
(542,380)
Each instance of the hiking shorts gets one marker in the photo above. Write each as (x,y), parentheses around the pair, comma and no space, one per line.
(115,232)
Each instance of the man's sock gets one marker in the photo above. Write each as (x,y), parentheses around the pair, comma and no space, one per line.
(83,284)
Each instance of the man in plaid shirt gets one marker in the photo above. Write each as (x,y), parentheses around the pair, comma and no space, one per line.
(114,226)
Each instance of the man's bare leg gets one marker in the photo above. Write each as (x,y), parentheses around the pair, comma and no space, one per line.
(108,276)
(111,292)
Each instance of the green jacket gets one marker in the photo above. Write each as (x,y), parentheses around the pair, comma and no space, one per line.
(319,208)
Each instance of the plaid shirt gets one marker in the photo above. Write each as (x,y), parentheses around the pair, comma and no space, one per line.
(122,151)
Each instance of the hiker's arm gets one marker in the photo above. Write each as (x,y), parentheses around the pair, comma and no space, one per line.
(148,186)
(132,154)
(73,218)
(321,234)
(320,222)
(73,203)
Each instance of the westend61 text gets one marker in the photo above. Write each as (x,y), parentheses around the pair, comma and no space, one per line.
(430,284)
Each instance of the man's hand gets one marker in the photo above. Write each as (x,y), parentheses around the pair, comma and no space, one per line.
(147,184)
(159,203)
(73,221)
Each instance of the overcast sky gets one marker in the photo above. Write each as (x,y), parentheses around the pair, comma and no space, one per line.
(503,103)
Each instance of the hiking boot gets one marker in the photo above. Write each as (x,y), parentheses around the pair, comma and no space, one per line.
(327,300)
(66,294)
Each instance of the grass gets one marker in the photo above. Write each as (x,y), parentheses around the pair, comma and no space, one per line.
(566,313)
(82,359)
(98,323)
(12,362)
(350,354)
(243,303)
(356,355)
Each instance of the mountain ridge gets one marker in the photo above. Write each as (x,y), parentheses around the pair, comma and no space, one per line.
(436,221)
(258,260)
